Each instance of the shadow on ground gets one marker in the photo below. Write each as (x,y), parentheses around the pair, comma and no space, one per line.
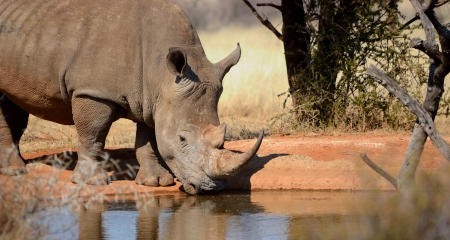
(124,165)
(242,179)
(122,162)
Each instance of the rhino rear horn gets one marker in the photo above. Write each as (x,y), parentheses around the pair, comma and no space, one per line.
(225,65)
(176,61)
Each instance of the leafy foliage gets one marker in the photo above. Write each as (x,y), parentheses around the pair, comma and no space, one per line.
(344,37)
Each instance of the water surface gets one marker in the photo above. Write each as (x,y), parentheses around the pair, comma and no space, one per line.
(229,215)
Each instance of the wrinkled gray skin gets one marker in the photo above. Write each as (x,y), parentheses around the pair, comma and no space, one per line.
(91,62)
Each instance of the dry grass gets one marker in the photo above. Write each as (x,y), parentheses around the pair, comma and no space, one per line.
(252,86)
(41,134)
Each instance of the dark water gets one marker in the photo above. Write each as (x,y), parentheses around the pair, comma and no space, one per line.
(229,215)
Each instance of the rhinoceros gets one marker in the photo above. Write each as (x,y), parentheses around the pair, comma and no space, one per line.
(90,62)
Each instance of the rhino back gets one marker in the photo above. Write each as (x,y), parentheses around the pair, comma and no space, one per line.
(114,50)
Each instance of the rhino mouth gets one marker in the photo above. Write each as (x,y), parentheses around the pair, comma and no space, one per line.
(194,189)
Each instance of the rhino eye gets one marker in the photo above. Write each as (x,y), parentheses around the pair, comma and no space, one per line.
(183,142)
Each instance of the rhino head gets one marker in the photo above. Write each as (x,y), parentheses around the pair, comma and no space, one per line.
(188,132)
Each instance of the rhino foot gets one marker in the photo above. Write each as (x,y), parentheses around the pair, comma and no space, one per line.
(14,170)
(13,166)
(12,163)
(99,177)
(151,178)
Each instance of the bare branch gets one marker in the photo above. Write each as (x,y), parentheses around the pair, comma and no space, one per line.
(441,29)
(269,5)
(426,8)
(441,3)
(423,117)
(378,170)
(415,18)
(432,4)
(265,22)
(438,4)
(425,47)
(427,27)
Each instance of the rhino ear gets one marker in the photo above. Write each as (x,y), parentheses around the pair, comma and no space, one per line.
(225,65)
(176,61)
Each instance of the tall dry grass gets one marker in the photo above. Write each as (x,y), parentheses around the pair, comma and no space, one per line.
(42,135)
(30,204)
(251,87)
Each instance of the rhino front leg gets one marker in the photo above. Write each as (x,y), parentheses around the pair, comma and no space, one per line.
(93,118)
(151,173)
(13,121)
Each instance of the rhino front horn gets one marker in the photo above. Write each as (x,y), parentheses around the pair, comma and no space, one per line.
(224,163)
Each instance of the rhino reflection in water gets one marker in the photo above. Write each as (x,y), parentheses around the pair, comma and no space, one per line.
(91,62)
(170,217)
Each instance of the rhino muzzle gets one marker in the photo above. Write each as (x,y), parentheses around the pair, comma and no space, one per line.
(217,164)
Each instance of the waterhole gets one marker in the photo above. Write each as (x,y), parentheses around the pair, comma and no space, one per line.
(229,215)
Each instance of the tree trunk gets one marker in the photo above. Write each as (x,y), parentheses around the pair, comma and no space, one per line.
(296,48)
(332,33)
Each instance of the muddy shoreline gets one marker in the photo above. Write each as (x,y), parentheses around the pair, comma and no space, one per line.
(293,162)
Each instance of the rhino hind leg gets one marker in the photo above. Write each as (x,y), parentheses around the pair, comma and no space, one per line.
(13,121)
(151,173)
(93,118)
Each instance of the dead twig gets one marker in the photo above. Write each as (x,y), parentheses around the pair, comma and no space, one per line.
(269,5)
(441,3)
(265,22)
(415,18)
(379,170)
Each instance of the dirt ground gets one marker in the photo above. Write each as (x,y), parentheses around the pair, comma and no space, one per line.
(306,162)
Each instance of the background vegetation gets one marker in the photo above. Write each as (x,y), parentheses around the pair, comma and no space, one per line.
(357,104)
